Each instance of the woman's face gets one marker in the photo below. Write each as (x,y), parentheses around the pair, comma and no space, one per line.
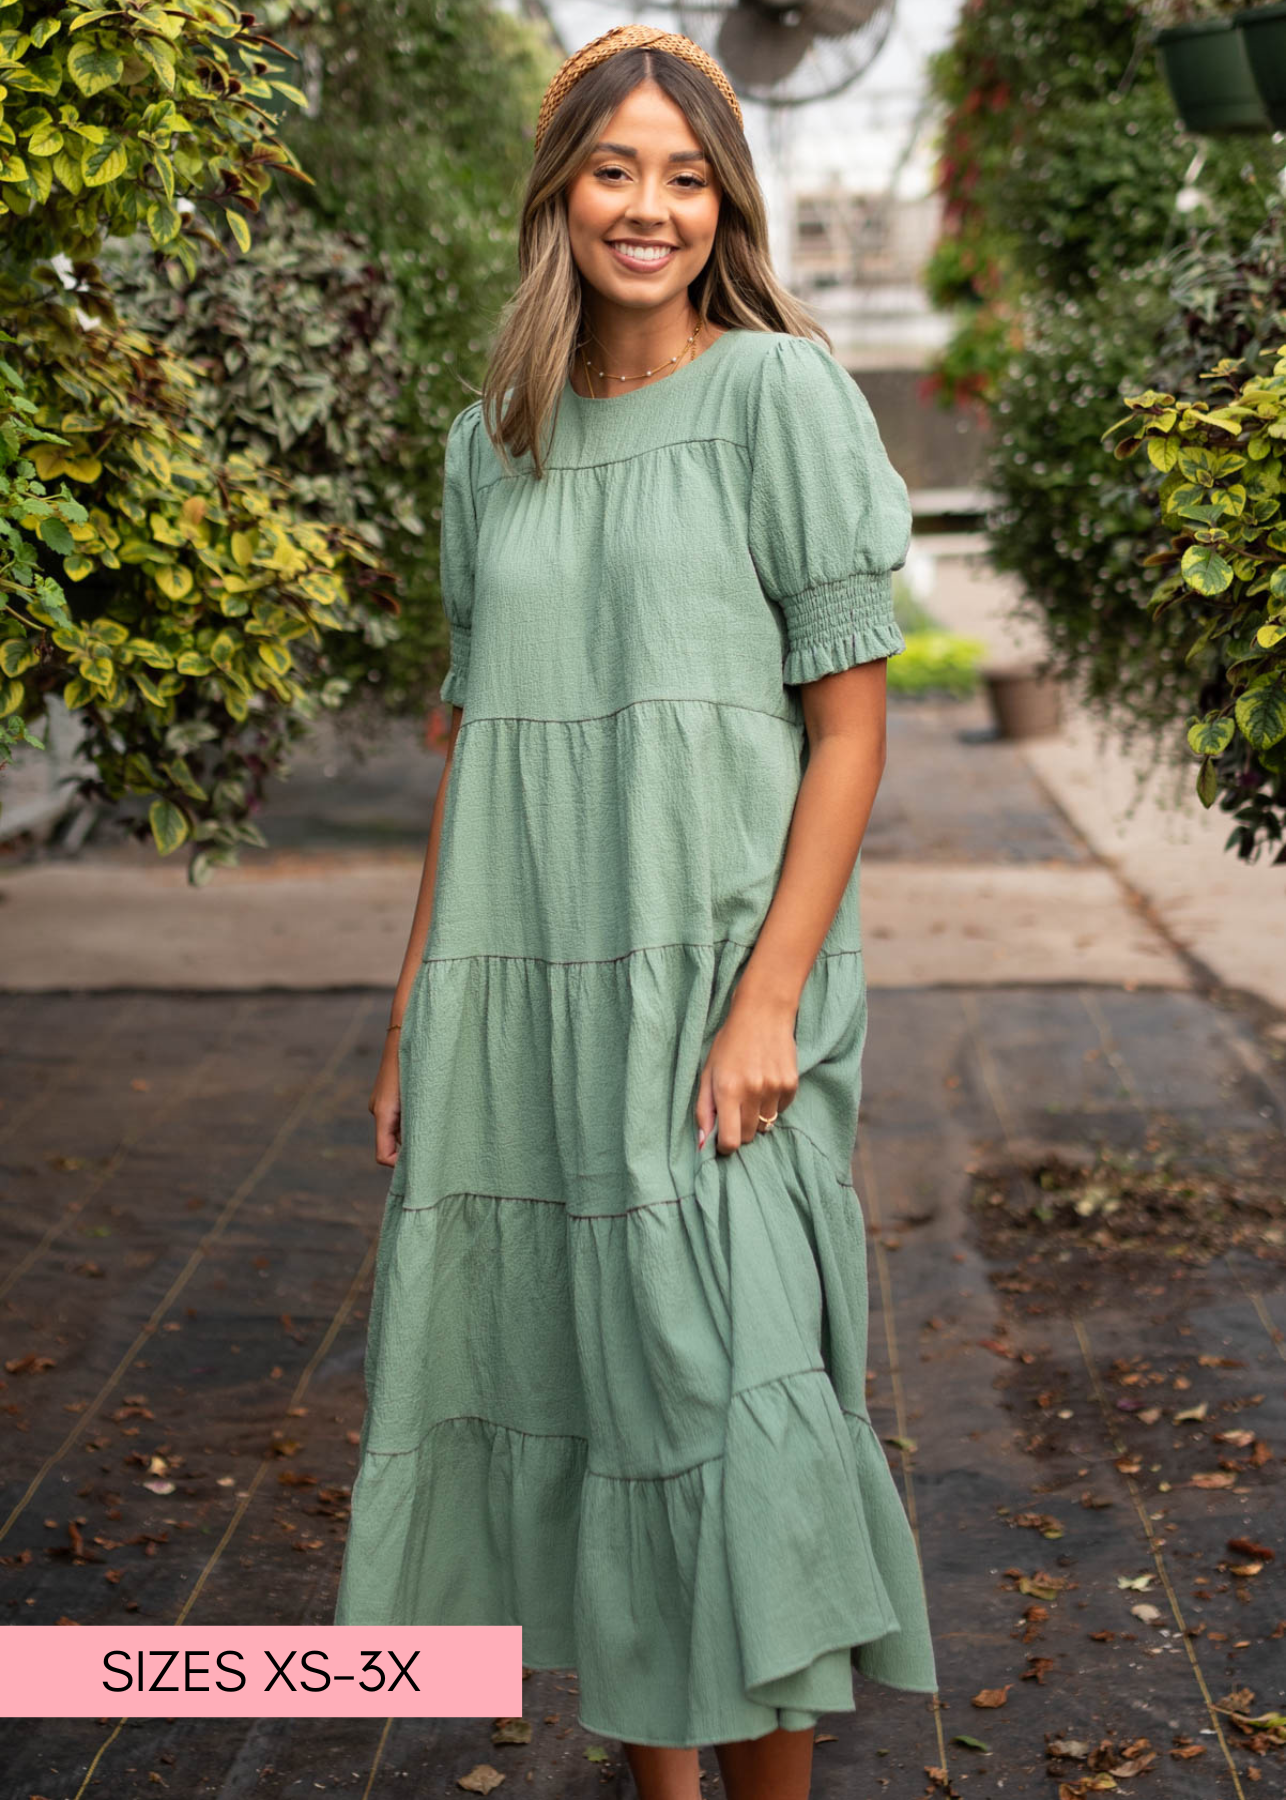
(642,211)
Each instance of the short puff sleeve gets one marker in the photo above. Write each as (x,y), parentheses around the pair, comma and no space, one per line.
(458,546)
(829,516)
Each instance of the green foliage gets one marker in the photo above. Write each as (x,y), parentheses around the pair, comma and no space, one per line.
(1060,160)
(318,394)
(936,662)
(111,114)
(419,138)
(1068,523)
(1078,529)
(29,516)
(1217,464)
(172,597)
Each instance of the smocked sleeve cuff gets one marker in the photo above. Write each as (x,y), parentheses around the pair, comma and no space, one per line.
(839,624)
(457,680)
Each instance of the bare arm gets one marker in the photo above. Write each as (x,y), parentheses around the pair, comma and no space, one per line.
(385,1101)
(751,1068)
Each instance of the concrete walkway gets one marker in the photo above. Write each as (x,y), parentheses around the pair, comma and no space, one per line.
(1142,819)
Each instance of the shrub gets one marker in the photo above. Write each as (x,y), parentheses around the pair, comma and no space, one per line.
(1219,473)
(184,608)
(1060,157)
(316,392)
(936,662)
(1067,522)
(419,137)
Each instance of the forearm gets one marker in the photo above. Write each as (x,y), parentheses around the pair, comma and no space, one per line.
(831,814)
(424,899)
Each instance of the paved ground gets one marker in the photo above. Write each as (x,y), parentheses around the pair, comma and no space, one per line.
(190,1214)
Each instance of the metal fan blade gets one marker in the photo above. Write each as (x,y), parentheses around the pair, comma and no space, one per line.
(759,46)
(835,18)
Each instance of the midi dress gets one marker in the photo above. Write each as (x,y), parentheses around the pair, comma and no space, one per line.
(616,1383)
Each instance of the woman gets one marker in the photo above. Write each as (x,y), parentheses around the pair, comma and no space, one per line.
(617,1348)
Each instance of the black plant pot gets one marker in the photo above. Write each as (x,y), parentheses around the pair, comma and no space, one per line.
(1208,73)
(1263,29)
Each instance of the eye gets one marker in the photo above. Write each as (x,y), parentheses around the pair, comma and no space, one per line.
(608,173)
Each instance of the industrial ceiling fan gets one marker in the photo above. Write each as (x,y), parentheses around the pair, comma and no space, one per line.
(788,54)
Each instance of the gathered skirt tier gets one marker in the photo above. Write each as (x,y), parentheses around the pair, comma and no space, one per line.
(616,1384)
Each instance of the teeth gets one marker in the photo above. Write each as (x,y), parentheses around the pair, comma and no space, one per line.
(644,253)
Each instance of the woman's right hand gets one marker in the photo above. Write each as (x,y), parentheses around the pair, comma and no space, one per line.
(386,1103)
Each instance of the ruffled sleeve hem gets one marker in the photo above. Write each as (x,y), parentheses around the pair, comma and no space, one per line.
(454,687)
(840,624)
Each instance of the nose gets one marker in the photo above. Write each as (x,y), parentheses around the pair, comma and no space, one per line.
(647,204)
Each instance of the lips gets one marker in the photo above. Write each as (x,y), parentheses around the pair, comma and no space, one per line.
(642,255)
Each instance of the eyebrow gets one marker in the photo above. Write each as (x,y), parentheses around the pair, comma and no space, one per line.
(675,155)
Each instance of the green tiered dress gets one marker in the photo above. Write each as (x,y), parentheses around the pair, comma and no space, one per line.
(616,1385)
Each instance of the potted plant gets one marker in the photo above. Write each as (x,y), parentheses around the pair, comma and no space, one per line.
(1025,698)
(1263,31)
(1203,57)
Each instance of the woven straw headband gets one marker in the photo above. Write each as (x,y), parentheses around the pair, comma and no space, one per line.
(629,37)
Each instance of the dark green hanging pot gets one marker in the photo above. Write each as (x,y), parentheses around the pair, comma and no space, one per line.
(1208,74)
(1263,29)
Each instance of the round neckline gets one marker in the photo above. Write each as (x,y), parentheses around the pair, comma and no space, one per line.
(603,404)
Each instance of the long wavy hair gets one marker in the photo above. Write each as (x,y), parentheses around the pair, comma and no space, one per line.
(541,324)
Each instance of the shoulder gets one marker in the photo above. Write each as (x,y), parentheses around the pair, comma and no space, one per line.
(759,352)
(470,454)
(784,377)
(463,430)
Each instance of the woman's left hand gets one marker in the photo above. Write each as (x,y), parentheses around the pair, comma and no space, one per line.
(752,1069)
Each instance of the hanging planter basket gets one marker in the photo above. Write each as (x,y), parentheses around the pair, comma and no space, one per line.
(1208,73)
(1263,30)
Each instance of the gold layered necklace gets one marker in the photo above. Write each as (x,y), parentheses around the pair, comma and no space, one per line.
(669,365)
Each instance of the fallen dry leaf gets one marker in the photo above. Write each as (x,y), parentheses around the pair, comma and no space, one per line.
(1248,1547)
(481,1779)
(992,1696)
(511,1731)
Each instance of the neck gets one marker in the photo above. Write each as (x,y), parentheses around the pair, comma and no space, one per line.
(626,341)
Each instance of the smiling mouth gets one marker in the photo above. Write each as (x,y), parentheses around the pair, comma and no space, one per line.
(641,254)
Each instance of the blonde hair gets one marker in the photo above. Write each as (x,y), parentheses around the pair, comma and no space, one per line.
(540,325)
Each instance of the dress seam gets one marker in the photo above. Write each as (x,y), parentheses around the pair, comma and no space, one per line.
(760,712)
(855,577)
(613,462)
(643,1206)
(579,962)
(576,1437)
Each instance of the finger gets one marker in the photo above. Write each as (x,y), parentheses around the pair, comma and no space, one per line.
(705,1104)
(729,1121)
(751,1108)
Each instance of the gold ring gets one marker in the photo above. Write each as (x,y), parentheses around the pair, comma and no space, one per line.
(768,1123)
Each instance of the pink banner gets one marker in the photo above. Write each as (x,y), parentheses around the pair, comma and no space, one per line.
(261,1671)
